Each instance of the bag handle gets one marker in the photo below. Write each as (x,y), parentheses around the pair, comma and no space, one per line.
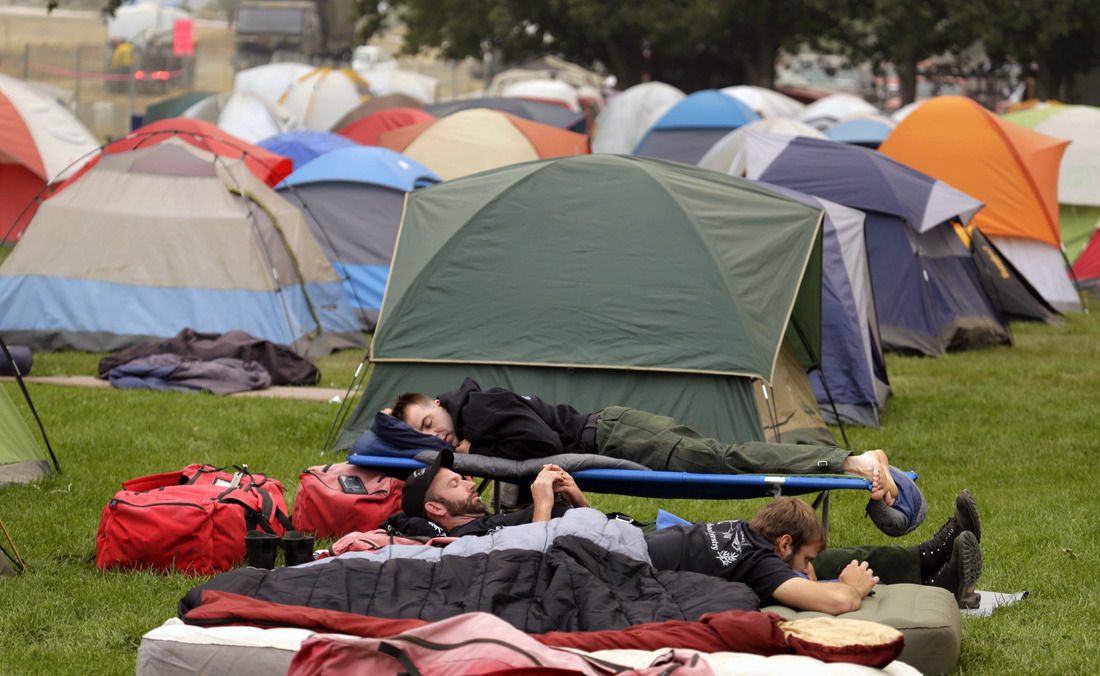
(254,478)
(262,517)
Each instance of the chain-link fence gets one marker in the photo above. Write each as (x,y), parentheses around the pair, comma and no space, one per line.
(107,88)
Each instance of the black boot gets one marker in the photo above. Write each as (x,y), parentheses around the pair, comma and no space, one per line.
(297,548)
(966,513)
(935,551)
(261,548)
(961,571)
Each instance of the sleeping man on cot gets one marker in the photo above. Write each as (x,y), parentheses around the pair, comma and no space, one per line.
(780,553)
(501,423)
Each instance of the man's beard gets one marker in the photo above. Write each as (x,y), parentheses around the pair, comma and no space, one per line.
(471,506)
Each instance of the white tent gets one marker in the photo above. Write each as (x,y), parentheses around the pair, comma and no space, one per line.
(549,91)
(827,110)
(627,117)
(766,102)
(384,81)
(246,115)
(727,155)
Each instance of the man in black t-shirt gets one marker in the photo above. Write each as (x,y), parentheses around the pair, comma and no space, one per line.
(445,501)
(785,539)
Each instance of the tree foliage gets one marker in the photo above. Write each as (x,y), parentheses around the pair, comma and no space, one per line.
(690,43)
(1053,40)
(902,33)
(704,43)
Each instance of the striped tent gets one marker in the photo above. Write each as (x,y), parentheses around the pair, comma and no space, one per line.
(167,237)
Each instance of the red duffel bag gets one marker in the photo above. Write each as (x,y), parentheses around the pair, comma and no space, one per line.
(193,521)
(339,498)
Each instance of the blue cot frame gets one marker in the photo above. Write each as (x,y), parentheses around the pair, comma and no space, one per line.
(678,485)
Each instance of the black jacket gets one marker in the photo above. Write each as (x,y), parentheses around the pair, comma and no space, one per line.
(504,424)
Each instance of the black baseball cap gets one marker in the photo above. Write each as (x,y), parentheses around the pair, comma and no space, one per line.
(416,486)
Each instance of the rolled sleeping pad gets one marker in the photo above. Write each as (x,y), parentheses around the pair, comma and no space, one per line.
(21,355)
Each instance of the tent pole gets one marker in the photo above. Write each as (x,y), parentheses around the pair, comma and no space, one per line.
(27,396)
(324,231)
(821,372)
(1073,276)
(342,414)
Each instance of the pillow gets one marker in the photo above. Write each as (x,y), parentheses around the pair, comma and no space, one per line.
(835,639)
(393,437)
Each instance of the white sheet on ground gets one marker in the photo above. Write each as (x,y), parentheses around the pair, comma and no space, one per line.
(991,600)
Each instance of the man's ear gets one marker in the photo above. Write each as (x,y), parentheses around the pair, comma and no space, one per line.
(434,509)
(438,402)
(783,545)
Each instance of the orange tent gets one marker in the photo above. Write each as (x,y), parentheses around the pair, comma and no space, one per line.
(477,139)
(1011,168)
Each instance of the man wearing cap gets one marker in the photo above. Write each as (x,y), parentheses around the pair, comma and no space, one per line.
(501,423)
(784,541)
(451,505)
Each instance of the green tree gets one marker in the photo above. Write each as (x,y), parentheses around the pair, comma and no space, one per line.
(903,34)
(690,43)
(1053,40)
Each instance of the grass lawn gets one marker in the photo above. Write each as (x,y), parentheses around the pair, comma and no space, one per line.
(1017,425)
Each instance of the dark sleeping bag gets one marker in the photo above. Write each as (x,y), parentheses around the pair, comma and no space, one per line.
(582,572)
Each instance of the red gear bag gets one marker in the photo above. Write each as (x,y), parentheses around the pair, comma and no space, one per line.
(193,520)
(330,506)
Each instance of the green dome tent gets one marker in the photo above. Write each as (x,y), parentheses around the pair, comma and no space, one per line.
(597,280)
(22,458)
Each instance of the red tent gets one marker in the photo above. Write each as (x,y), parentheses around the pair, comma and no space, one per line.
(39,140)
(366,130)
(269,167)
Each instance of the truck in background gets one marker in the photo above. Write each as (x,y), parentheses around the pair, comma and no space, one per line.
(141,48)
(311,31)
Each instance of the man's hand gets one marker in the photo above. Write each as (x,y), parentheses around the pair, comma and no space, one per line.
(542,493)
(462,447)
(567,486)
(859,576)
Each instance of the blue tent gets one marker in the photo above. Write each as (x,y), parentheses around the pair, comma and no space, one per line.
(303,145)
(688,129)
(352,199)
(928,291)
(850,384)
(868,131)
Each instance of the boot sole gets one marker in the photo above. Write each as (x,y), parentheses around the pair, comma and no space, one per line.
(969,566)
(966,508)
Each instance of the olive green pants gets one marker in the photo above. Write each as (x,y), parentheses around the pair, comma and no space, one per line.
(660,443)
(892,564)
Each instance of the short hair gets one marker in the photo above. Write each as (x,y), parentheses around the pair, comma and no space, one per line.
(401,406)
(789,516)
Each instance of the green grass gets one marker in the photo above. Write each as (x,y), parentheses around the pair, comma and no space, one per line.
(1016,425)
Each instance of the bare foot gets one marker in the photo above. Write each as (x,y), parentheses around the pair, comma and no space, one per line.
(875,467)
